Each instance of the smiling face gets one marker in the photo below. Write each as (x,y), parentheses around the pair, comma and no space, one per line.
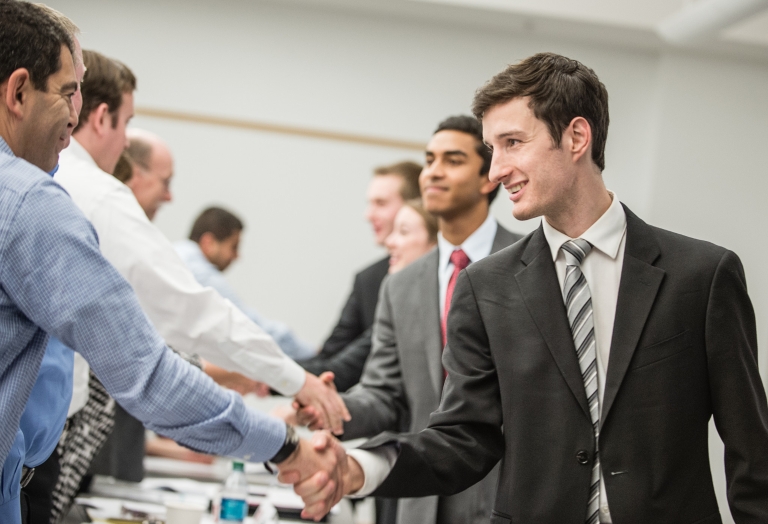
(540,178)
(451,182)
(51,115)
(409,239)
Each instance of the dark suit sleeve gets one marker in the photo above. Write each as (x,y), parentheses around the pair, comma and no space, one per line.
(738,395)
(350,324)
(464,439)
(347,364)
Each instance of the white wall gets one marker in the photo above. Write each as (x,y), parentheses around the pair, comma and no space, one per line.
(685,150)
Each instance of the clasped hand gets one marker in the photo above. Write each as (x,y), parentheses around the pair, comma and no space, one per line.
(321,473)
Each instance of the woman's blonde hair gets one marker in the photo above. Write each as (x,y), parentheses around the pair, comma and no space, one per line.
(430,220)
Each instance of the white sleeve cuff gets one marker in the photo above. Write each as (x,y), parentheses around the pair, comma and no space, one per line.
(376,465)
(291,379)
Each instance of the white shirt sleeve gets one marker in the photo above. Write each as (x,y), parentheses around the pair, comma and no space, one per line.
(190,317)
(376,465)
(80,390)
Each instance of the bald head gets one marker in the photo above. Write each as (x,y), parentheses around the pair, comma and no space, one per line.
(152,170)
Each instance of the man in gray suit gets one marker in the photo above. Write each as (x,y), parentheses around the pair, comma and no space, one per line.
(403,379)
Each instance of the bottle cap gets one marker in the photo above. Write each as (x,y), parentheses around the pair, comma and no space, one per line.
(238,466)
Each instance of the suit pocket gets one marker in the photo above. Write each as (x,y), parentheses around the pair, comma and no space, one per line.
(662,350)
(500,518)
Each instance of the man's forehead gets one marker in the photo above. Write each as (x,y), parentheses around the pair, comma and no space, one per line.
(449,140)
(513,116)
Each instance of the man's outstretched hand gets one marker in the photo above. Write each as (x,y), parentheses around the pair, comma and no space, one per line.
(322,473)
(319,397)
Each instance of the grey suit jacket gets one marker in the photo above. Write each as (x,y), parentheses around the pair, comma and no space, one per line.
(403,380)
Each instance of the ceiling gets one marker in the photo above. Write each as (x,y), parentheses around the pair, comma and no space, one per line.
(625,22)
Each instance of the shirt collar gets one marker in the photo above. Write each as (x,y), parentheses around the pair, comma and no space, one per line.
(77,150)
(477,246)
(605,234)
(5,148)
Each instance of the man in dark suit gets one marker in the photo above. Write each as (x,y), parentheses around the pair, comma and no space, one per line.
(348,346)
(588,357)
(403,378)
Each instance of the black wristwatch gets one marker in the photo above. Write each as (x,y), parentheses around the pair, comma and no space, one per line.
(289,446)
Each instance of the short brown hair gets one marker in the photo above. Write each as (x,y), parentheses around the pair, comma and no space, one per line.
(430,220)
(560,89)
(64,21)
(123,169)
(31,39)
(217,221)
(409,172)
(104,82)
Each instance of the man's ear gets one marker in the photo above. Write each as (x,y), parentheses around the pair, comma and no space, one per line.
(488,186)
(579,135)
(207,242)
(100,119)
(16,90)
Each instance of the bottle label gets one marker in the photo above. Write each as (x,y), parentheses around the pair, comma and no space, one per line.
(233,510)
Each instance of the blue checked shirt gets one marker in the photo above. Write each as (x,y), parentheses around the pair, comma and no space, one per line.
(53,279)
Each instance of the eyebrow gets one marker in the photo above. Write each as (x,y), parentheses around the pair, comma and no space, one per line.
(451,152)
(510,133)
(69,86)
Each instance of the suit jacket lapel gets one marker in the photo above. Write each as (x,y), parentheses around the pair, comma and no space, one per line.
(541,291)
(640,282)
(429,287)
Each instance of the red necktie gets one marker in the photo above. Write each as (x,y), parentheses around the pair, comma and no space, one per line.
(460,260)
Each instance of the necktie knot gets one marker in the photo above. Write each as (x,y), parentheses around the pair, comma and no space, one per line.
(575,251)
(459,259)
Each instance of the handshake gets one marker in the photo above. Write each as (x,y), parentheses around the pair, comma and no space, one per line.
(319,469)
(321,473)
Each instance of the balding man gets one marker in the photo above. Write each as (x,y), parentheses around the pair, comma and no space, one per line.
(152,170)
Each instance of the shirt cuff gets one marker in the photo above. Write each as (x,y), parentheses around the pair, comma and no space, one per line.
(264,437)
(291,379)
(376,465)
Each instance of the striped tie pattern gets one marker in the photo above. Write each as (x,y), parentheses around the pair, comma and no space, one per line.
(578,303)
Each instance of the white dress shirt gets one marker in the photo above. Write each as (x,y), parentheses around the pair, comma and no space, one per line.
(378,463)
(210,276)
(602,270)
(477,246)
(191,318)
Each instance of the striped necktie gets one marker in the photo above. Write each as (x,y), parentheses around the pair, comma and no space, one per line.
(578,303)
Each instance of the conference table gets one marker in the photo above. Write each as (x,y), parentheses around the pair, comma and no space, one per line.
(170,481)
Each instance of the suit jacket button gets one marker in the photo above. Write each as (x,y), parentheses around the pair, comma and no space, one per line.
(582,457)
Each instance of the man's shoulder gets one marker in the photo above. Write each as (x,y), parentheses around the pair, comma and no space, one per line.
(19,176)
(687,252)
(373,273)
(84,181)
(504,237)
(506,257)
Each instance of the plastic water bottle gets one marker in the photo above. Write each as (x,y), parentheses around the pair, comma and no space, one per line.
(234,506)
